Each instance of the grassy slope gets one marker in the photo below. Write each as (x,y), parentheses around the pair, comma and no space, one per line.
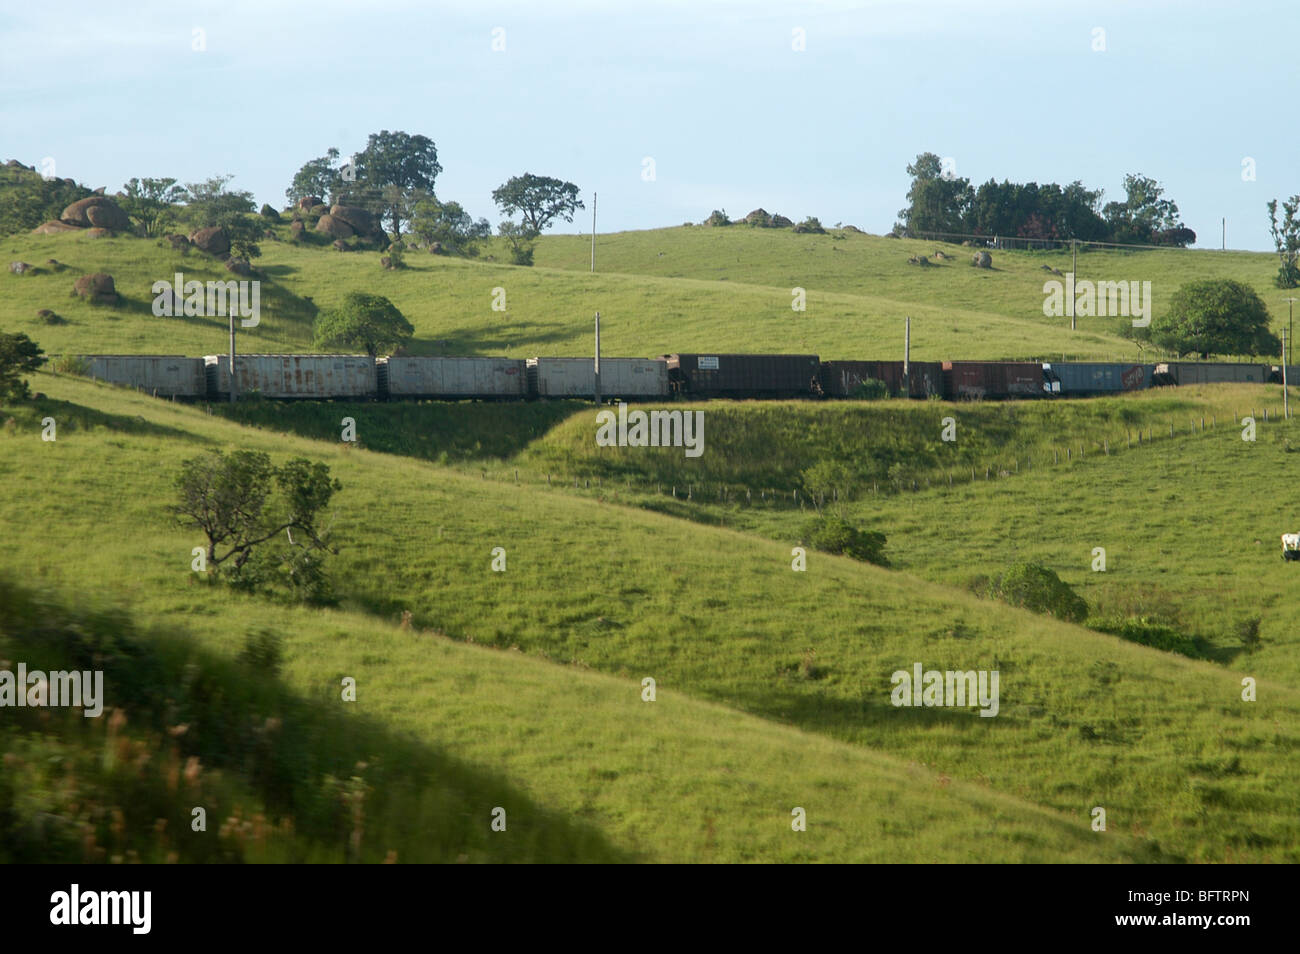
(712,290)
(1087,719)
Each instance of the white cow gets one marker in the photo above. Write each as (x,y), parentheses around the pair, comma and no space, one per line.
(1291,541)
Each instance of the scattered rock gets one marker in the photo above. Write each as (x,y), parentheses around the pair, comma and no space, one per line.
(968,243)
(98,211)
(53,227)
(50,318)
(982,260)
(55,264)
(178,242)
(360,221)
(240,266)
(295,229)
(892,235)
(98,233)
(97,288)
(335,228)
(781,222)
(435,248)
(19,268)
(269,213)
(99,191)
(214,240)
(319,208)
(308,202)
(340,245)
(941,254)
(852,228)
(386,262)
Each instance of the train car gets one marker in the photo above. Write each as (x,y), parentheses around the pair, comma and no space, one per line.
(1083,377)
(628,378)
(743,375)
(315,376)
(840,379)
(1292,374)
(447,377)
(166,375)
(993,380)
(1209,372)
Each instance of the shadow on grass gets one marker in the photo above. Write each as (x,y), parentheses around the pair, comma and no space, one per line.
(327,784)
(69,417)
(487,339)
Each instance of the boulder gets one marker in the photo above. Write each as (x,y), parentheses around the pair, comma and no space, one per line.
(18,268)
(55,264)
(334,228)
(435,248)
(386,262)
(214,240)
(361,221)
(108,215)
(295,228)
(308,202)
(982,260)
(781,222)
(240,266)
(340,245)
(97,288)
(319,209)
(50,318)
(98,233)
(178,242)
(53,227)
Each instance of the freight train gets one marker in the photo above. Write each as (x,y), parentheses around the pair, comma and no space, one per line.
(692,376)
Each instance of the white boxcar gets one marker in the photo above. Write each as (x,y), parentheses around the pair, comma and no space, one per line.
(163,374)
(456,377)
(319,376)
(619,377)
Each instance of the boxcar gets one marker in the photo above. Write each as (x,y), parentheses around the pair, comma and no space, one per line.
(1207,372)
(1292,374)
(446,377)
(981,380)
(1082,377)
(841,378)
(316,376)
(743,375)
(628,378)
(167,375)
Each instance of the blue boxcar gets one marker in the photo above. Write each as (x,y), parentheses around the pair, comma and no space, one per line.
(1084,377)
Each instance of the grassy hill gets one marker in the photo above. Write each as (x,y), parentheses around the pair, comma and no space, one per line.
(711,289)
(598,596)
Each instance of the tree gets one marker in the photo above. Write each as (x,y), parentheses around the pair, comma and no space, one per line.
(369,322)
(319,177)
(27,198)
(210,203)
(393,173)
(449,225)
(1143,212)
(538,199)
(935,202)
(1215,316)
(18,355)
(1286,238)
(151,203)
(242,502)
(521,239)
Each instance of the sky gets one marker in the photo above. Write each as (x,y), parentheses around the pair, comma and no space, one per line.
(669,110)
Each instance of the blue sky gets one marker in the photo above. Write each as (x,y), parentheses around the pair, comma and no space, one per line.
(711,90)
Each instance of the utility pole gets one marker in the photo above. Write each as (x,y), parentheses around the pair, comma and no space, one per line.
(232,354)
(1223,242)
(597,357)
(593,231)
(1074,272)
(1290,336)
(1286,398)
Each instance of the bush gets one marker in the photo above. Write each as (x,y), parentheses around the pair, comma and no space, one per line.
(810,224)
(835,535)
(1039,589)
(18,355)
(1153,632)
(718,217)
(71,364)
(263,651)
(269,213)
(870,389)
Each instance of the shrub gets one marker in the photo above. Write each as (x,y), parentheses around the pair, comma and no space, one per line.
(835,535)
(810,224)
(18,355)
(263,650)
(269,213)
(71,364)
(1154,632)
(718,217)
(1039,589)
(870,389)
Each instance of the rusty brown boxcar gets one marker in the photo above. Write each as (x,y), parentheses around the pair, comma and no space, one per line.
(841,379)
(993,380)
(743,375)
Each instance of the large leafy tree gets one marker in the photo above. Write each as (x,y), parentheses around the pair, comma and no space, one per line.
(369,322)
(539,200)
(1286,238)
(935,203)
(1215,316)
(151,202)
(27,198)
(448,224)
(19,355)
(1145,215)
(393,173)
(210,203)
(320,177)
